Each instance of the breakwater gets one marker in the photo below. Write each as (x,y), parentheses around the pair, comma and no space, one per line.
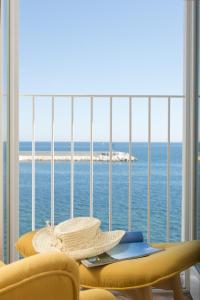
(77,156)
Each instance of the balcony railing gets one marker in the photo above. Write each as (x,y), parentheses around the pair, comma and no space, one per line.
(72,155)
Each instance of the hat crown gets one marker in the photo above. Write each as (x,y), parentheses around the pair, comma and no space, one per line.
(77,231)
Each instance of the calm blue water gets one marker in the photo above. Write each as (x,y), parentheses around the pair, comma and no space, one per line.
(101,188)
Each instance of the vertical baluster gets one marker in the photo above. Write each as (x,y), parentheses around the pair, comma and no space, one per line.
(72,161)
(130,167)
(33,163)
(91,156)
(52,160)
(168,171)
(110,168)
(149,173)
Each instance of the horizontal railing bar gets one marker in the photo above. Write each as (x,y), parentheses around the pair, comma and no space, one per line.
(101,96)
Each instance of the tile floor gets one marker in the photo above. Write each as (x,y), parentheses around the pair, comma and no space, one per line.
(160,296)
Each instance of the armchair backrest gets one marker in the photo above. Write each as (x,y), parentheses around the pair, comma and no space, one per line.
(47,276)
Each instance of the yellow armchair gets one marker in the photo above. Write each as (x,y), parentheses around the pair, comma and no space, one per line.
(51,276)
(136,277)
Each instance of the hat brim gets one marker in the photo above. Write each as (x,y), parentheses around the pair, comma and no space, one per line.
(44,241)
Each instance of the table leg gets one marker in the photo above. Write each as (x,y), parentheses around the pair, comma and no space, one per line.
(174,284)
(176,287)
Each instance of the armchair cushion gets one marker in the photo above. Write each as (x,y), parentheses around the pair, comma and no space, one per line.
(47,276)
(142,272)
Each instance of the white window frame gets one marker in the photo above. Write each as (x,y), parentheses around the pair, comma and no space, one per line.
(189,122)
(1,143)
(190,118)
(13,103)
(14,131)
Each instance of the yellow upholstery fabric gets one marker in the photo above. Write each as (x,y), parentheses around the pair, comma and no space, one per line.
(44,276)
(144,271)
(24,244)
(2,264)
(96,294)
(51,276)
(134,273)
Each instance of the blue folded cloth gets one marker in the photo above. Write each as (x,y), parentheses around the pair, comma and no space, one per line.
(132,237)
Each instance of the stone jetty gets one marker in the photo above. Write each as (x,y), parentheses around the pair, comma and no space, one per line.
(77,156)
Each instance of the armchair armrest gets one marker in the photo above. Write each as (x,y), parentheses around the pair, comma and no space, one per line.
(46,276)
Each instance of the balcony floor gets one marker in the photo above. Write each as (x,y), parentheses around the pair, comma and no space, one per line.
(168,296)
(161,296)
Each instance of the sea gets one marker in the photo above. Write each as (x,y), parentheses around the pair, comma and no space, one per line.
(120,179)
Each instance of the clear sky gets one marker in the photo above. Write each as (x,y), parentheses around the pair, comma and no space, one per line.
(101,47)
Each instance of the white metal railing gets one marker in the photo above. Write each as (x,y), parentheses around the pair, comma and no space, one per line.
(110,167)
(130,164)
(52,160)
(72,160)
(130,99)
(149,172)
(33,163)
(91,157)
(168,170)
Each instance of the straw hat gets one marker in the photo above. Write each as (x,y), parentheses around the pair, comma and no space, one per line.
(79,237)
